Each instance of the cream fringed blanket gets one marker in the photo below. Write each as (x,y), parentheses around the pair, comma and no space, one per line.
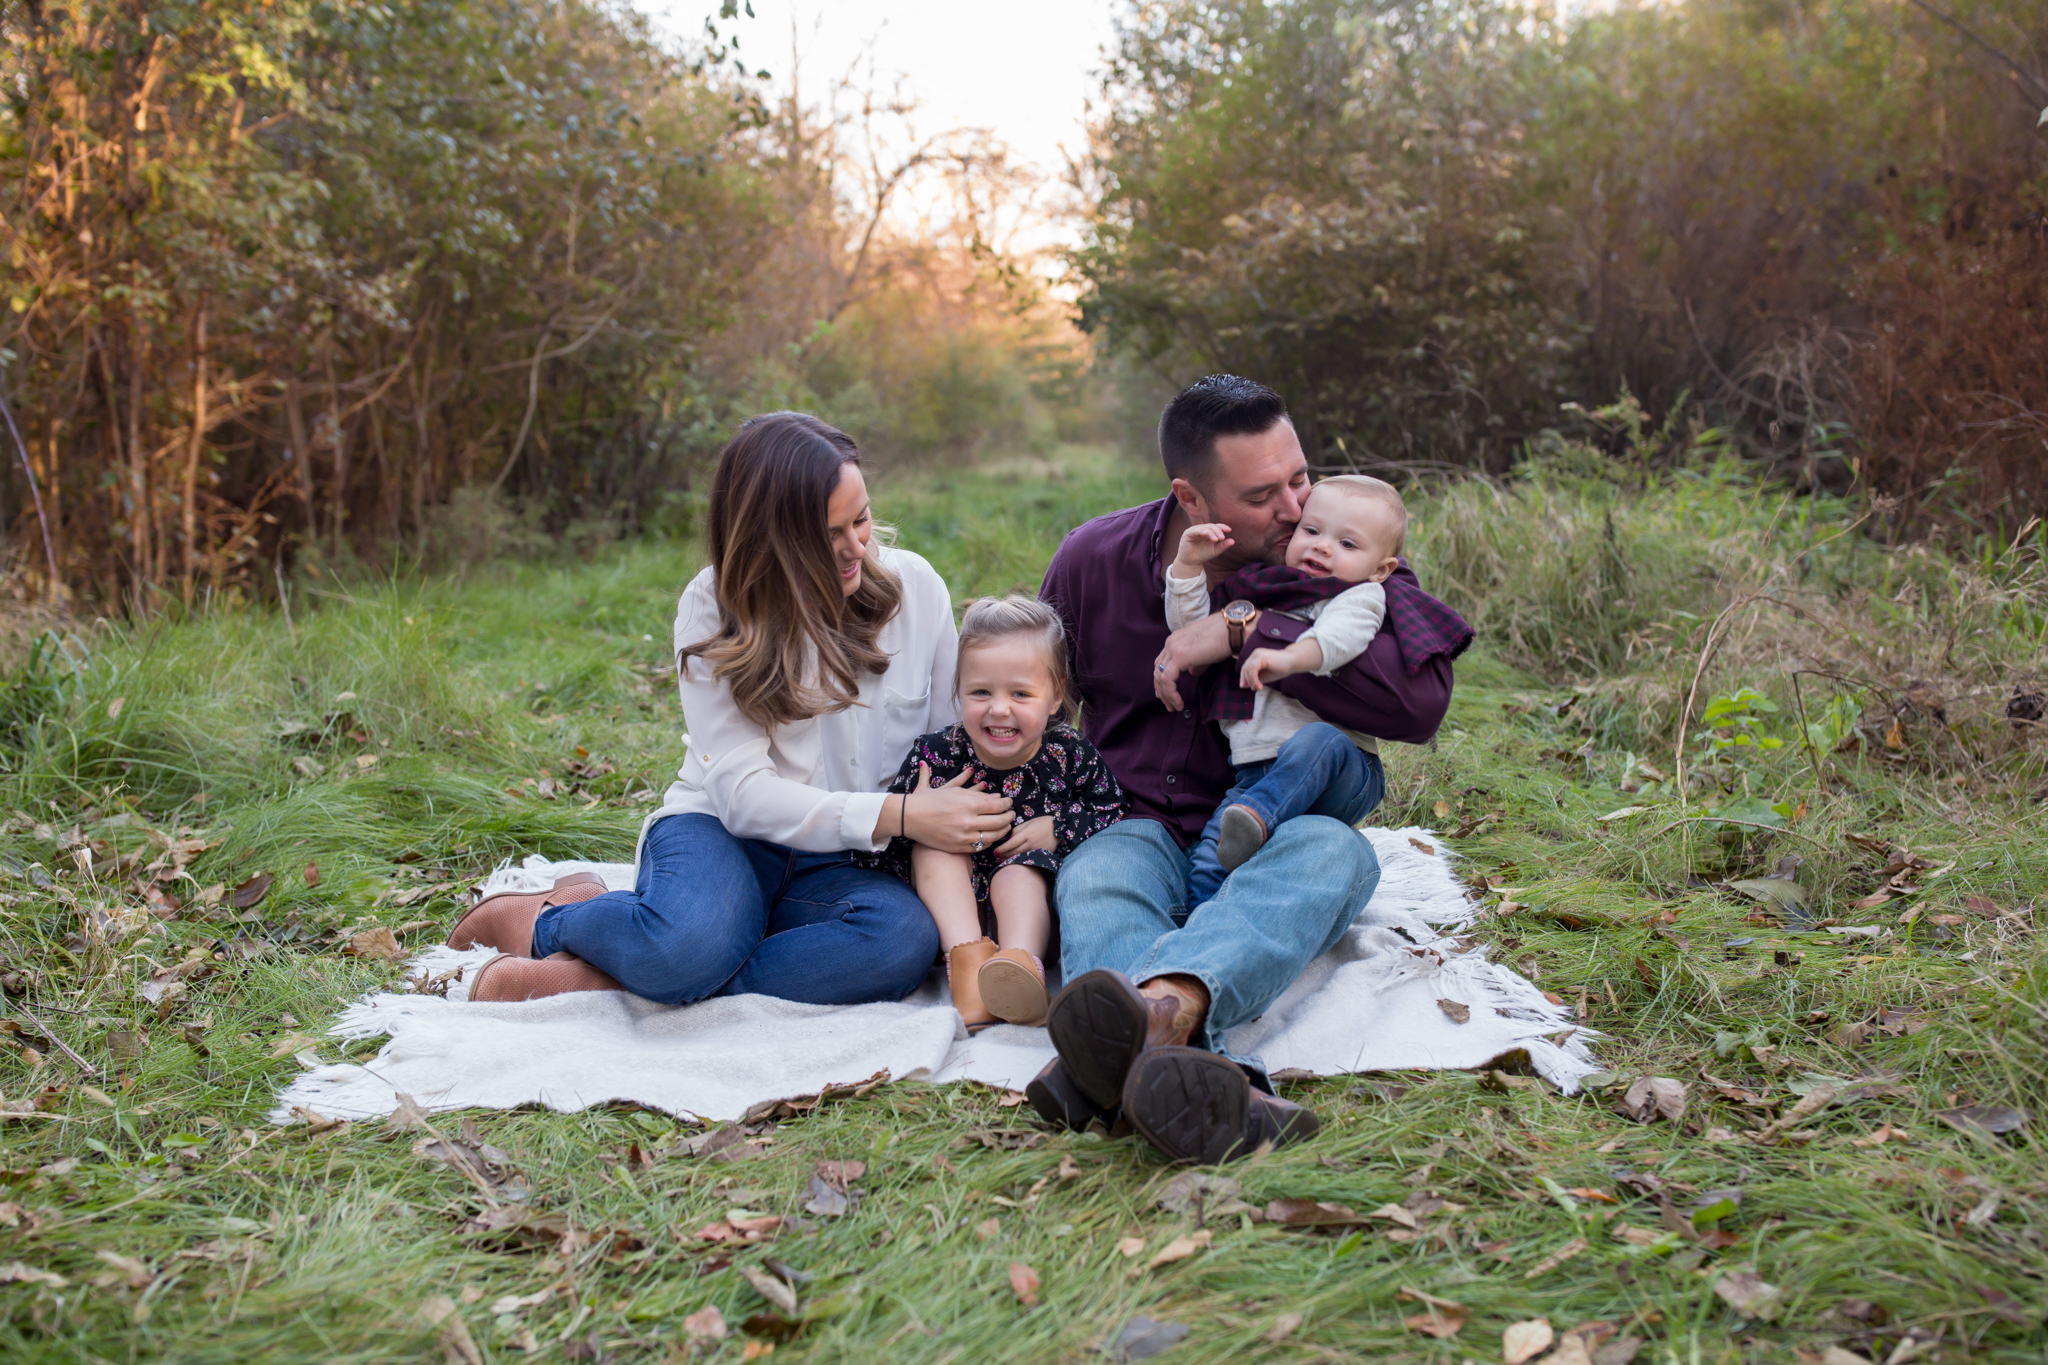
(1369,1004)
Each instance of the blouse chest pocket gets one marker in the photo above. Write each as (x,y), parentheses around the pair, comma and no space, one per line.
(903,720)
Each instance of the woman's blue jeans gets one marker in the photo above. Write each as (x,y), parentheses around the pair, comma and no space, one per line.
(1318,771)
(711,914)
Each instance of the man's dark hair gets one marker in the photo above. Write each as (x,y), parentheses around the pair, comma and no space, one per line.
(1220,405)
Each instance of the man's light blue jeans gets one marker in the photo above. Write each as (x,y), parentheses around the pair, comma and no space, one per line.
(1123,905)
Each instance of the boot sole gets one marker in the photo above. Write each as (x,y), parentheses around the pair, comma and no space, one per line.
(1241,836)
(1097,1023)
(1190,1104)
(1012,992)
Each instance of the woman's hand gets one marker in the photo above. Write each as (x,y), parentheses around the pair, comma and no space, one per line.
(1207,641)
(1029,834)
(952,817)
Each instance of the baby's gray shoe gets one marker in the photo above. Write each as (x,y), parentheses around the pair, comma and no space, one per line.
(1242,835)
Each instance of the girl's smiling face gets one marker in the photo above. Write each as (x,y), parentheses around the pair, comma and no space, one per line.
(1007,697)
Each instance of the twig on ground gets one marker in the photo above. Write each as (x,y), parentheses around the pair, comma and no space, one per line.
(83,1065)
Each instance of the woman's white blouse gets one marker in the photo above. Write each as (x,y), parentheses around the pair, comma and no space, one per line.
(816,785)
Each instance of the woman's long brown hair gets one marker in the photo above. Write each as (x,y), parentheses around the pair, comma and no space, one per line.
(790,644)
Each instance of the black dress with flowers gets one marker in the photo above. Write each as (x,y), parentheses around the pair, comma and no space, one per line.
(1066,779)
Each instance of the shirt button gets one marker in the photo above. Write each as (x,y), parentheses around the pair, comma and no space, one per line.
(1187,715)
(1171,780)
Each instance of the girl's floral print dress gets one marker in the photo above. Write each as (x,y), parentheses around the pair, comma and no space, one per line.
(1066,779)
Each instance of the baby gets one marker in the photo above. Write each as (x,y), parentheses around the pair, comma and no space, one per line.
(1288,762)
(1013,739)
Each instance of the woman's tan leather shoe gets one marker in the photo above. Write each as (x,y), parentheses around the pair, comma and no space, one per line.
(522,978)
(963,970)
(505,921)
(1013,987)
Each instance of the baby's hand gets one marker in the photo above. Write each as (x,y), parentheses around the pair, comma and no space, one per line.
(1262,666)
(1199,545)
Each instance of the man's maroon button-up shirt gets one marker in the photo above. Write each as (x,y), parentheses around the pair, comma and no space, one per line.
(1108,583)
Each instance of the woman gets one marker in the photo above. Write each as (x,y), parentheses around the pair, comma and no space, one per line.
(810,656)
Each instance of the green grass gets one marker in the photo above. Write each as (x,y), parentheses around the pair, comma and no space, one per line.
(235,728)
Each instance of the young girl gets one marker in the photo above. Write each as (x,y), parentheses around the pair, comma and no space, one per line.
(1014,740)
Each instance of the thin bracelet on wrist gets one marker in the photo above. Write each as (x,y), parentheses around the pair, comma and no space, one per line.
(903,818)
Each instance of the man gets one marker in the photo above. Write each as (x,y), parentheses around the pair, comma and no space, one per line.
(1150,987)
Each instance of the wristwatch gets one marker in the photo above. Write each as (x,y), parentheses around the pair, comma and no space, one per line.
(1238,616)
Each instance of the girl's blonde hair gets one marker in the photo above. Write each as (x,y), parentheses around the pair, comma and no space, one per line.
(988,619)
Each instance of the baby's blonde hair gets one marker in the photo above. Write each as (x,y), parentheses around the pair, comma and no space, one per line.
(988,619)
(1366,486)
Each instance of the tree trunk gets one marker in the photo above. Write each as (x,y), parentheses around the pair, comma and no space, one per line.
(188,508)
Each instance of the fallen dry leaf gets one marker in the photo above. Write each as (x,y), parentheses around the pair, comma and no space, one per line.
(1556,1258)
(1011,1099)
(1179,1249)
(797,1105)
(250,891)
(1748,1295)
(1024,1284)
(1654,1097)
(136,1273)
(1394,1213)
(1457,1013)
(1205,1196)
(1286,1324)
(1984,1118)
(1620,1351)
(1572,1349)
(1143,1338)
(1835,1355)
(1130,1246)
(378,945)
(987,1229)
(293,1042)
(1524,1341)
(458,1347)
(1815,1100)
(1309,1213)
(1635,1236)
(311,875)
(824,1200)
(408,1114)
(1069,1168)
(1441,1318)
(1422,846)
(706,1324)
(770,1288)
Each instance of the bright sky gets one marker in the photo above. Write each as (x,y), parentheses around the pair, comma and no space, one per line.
(1022,68)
